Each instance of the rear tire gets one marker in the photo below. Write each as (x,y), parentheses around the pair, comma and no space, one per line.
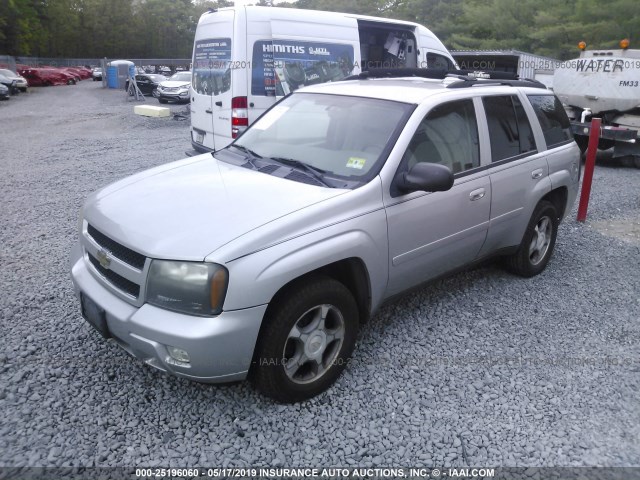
(536,247)
(306,340)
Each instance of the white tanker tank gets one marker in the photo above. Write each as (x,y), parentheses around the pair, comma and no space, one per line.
(604,84)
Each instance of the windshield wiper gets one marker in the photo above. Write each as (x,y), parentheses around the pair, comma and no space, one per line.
(251,154)
(314,172)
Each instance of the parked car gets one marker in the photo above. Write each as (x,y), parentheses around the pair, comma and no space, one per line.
(96,74)
(176,89)
(263,259)
(10,83)
(86,72)
(148,83)
(46,76)
(4,92)
(73,72)
(21,82)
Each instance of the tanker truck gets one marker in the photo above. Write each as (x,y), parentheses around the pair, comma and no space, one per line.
(604,84)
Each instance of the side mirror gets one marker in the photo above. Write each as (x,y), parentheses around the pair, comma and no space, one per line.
(426,177)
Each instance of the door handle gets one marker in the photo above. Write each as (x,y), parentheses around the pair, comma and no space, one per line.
(537,174)
(208,110)
(219,103)
(476,194)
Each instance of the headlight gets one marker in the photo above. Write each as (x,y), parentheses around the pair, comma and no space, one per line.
(187,287)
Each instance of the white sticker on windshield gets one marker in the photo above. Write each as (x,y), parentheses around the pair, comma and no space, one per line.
(356,162)
(270,117)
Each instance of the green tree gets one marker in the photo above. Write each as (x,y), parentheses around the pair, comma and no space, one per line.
(21,30)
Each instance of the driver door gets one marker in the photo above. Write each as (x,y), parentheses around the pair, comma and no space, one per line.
(433,233)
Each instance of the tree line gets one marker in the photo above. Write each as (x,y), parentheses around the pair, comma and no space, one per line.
(165,28)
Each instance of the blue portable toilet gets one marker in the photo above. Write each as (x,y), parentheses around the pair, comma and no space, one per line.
(118,71)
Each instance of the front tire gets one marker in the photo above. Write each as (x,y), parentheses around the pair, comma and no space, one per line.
(306,341)
(162,100)
(536,247)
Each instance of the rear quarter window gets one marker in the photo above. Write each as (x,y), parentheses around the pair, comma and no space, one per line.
(553,119)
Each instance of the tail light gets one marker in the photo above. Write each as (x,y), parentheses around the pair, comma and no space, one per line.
(239,116)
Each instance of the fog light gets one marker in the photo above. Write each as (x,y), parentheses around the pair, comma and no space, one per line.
(178,354)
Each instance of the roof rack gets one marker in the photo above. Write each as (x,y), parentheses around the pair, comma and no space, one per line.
(482,82)
(467,78)
(432,73)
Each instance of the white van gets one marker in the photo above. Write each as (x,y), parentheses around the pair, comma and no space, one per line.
(246,58)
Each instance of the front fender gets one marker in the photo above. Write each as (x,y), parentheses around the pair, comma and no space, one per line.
(255,279)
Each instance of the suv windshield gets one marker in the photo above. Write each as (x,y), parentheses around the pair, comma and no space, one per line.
(334,134)
(181,77)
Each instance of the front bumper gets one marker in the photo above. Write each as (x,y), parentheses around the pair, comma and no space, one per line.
(173,96)
(220,348)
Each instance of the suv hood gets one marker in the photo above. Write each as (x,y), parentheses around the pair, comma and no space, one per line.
(188,209)
(173,84)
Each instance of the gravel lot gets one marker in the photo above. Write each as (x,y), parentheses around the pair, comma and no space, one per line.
(483,368)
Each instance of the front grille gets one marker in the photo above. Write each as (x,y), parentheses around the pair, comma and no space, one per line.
(116,280)
(121,252)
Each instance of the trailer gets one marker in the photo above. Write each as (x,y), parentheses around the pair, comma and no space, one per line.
(604,84)
(525,65)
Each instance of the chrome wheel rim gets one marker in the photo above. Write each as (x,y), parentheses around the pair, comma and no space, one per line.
(313,344)
(540,241)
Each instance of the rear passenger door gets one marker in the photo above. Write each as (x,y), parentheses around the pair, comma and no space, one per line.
(518,170)
(143,83)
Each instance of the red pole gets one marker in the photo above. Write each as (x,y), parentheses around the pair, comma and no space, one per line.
(589,166)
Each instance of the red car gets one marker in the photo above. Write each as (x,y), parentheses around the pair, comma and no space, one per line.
(78,72)
(45,76)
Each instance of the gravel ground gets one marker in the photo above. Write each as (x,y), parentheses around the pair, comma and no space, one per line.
(482,368)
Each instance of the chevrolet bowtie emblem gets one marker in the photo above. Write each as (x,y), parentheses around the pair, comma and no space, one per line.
(103,258)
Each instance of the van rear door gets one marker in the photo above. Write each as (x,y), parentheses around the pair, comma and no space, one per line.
(211,86)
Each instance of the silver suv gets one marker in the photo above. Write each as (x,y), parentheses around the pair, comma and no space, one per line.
(263,259)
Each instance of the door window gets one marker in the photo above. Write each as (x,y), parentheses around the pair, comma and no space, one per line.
(553,119)
(448,135)
(439,62)
(211,66)
(509,129)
